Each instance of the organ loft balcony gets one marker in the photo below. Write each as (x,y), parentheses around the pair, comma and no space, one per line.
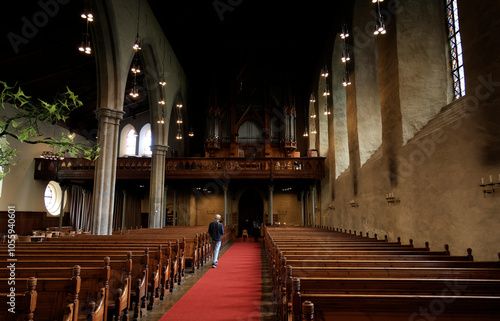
(130,168)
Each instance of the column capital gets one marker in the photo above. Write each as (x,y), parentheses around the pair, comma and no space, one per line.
(159,149)
(111,114)
(271,187)
(225,187)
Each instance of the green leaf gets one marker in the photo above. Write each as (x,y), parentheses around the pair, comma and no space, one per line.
(23,136)
(20,94)
(14,123)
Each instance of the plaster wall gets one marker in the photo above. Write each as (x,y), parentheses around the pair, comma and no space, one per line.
(339,112)
(367,82)
(423,62)
(19,189)
(435,176)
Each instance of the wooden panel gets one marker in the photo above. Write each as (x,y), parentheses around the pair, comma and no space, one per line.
(26,222)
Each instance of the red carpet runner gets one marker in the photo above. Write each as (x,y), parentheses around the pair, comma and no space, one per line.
(232,291)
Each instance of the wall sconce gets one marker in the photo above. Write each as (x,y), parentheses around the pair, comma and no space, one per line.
(489,188)
(391,199)
(353,203)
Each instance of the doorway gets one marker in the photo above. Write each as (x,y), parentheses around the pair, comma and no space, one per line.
(250,209)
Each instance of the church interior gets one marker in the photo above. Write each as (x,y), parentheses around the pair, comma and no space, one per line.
(377,118)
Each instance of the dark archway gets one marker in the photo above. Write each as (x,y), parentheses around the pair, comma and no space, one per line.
(250,208)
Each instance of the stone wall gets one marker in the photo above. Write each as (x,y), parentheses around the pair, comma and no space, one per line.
(433,154)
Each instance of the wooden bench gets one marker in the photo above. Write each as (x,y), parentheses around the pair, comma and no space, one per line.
(17,305)
(347,277)
(58,297)
(130,272)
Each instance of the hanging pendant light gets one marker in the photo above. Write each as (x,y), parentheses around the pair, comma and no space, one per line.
(379,24)
(313,130)
(326,91)
(324,72)
(345,54)
(179,133)
(345,32)
(85,44)
(346,81)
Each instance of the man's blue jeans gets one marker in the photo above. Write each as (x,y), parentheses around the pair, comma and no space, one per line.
(216,247)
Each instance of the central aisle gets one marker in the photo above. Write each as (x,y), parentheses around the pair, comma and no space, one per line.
(232,291)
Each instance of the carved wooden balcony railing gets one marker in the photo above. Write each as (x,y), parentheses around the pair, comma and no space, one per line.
(188,168)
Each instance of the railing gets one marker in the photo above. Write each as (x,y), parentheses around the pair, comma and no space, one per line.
(189,168)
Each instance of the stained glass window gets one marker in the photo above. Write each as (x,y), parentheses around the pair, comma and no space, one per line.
(457,62)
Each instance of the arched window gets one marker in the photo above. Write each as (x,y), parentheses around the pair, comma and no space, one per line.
(131,142)
(147,143)
(455,41)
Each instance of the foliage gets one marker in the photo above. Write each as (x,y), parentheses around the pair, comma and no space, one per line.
(24,124)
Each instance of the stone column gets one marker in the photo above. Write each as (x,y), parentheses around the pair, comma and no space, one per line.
(156,185)
(270,209)
(225,187)
(105,170)
(302,207)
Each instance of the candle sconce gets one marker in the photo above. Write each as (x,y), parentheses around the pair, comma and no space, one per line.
(353,203)
(391,199)
(489,188)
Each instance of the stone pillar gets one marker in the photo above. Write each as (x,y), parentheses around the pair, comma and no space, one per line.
(302,207)
(225,187)
(105,170)
(156,185)
(270,205)
(313,200)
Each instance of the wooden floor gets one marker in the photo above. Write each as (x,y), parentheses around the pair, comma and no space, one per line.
(268,306)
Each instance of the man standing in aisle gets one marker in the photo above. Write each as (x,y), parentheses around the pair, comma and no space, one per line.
(216,230)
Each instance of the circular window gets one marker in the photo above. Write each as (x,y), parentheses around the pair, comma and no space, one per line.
(52,198)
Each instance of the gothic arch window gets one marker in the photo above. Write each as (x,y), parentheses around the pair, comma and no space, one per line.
(455,41)
(131,142)
(128,141)
(145,141)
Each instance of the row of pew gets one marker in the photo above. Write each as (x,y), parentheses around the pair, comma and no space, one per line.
(99,277)
(330,274)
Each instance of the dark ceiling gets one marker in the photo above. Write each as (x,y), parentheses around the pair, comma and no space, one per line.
(219,43)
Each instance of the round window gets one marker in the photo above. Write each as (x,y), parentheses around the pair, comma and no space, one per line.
(52,198)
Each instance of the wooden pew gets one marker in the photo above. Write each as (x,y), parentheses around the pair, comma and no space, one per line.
(57,297)
(156,262)
(337,268)
(17,306)
(128,272)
